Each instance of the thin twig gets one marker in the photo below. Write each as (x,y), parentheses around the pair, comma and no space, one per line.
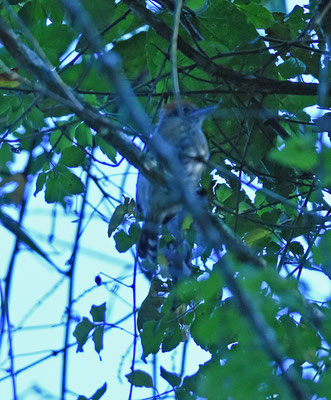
(173,50)
(135,333)
(10,342)
(71,275)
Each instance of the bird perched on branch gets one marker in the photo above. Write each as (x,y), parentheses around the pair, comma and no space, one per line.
(177,143)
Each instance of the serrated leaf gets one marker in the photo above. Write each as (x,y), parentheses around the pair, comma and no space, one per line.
(98,312)
(61,183)
(140,378)
(72,156)
(170,377)
(82,332)
(97,338)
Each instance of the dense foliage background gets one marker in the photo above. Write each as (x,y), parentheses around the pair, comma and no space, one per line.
(78,83)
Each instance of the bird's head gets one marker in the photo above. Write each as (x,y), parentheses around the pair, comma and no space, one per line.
(186,110)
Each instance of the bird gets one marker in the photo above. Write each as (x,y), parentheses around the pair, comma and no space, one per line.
(179,130)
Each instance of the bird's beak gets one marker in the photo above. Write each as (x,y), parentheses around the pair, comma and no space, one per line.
(203,112)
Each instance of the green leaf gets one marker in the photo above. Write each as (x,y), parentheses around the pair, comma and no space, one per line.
(72,156)
(324,171)
(101,13)
(195,4)
(97,395)
(321,253)
(292,68)
(224,20)
(39,163)
(61,183)
(59,140)
(134,232)
(140,378)
(299,152)
(98,312)
(258,15)
(32,13)
(6,155)
(255,235)
(97,338)
(41,180)
(205,329)
(83,135)
(106,148)
(296,248)
(100,392)
(120,215)
(155,58)
(82,332)
(88,80)
(151,306)
(123,241)
(35,119)
(171,378)
(54,39)
(172,337)
(72,184)
(126,25)
(135,46)
(151,338)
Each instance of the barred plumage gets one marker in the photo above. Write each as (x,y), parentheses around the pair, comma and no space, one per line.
(181,129)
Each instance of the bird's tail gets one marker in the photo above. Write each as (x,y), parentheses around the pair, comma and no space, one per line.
(148,242)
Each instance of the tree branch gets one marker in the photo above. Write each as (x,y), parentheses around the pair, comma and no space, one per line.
(260,84)
(29,60)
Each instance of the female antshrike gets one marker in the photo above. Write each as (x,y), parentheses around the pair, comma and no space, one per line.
(180,130)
